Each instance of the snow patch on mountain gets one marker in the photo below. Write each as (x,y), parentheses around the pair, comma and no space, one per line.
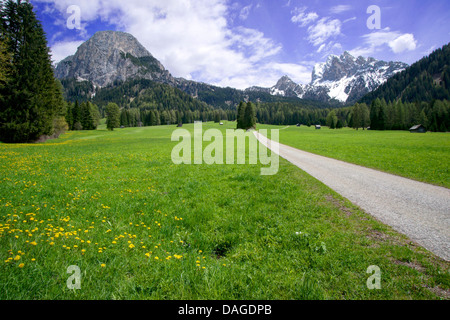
(343,78)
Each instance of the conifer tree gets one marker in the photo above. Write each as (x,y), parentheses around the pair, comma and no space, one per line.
(31,97)
(112,116)
(249,116)
(5,63)
(76,117)
(241,115)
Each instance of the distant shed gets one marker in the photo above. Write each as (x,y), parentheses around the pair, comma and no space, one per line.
(418,129)
(318,127)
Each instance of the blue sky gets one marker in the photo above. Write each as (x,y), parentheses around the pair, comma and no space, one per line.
(252,42)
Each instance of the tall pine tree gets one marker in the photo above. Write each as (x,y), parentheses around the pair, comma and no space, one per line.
(32,99)
(112,116)
(249,116)
(241,115)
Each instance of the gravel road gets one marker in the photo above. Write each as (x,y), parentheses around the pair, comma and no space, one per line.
(418,210)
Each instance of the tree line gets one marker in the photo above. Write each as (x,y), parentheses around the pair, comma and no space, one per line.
(435,116)
(84,116)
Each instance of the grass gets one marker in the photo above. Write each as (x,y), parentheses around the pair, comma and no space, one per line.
(422,157)
(140,227)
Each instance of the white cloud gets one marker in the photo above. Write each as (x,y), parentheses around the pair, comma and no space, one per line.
(191,38)
(302,18)
(61,50)
(245,12)
(323,30)
(350,19)
(340,8)
(405,42)
(377,41)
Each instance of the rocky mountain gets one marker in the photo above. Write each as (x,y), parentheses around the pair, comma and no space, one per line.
(111,56)
(343,78)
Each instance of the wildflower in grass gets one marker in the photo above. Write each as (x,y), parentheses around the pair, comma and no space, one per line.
(103,265)
(131,246)
(17,258)
(21,265)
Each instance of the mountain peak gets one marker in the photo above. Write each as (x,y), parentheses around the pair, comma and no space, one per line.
(109,56)
(344,78)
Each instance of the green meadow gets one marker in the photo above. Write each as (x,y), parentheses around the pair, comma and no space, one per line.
(139,227)
(422,157)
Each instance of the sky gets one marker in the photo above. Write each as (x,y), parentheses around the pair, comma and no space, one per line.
(244,43)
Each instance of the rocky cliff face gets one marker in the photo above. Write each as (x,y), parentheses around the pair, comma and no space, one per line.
(343,78)
(111,56)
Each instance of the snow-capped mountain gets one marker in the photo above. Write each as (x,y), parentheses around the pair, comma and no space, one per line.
(343,78)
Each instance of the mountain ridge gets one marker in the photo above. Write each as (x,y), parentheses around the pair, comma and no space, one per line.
(110,57)
(343,78)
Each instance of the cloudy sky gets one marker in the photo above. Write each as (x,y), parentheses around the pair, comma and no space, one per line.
(242,43)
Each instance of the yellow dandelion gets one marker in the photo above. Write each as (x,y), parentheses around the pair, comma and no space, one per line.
(103,265)
(21,265)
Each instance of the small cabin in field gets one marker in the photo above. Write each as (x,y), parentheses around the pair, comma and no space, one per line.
(318,127)
(299,125)
(418,129)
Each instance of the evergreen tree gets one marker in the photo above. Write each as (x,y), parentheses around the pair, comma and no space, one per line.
(112,116)
(241,115)
(332,119)
(5,65)
(76,117)
(69,115)
(357,116)
(249,116)
(95,114)
(124,118)
(31,99)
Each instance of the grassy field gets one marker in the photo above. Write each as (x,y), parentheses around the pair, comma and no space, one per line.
(140,227)
(422,157)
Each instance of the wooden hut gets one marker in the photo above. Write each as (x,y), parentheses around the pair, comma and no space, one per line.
(418,129)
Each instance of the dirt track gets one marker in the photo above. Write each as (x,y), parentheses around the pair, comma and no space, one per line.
(418,210)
